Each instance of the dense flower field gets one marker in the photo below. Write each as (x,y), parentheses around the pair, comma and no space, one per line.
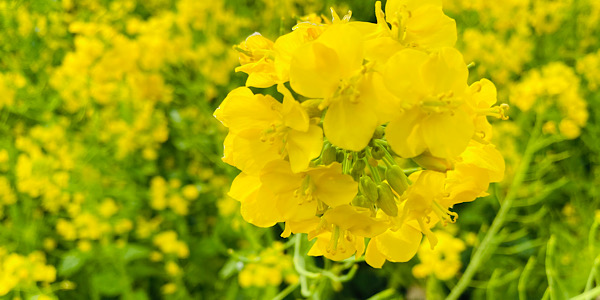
(299,149)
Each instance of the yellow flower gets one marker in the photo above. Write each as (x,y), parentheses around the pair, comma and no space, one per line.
(262,130)
(474,169)
(398,245)
(256,59)
(279,194)
(331,68)
(337,245)
(421,23)
(443,261)
(569,129)
(435,86)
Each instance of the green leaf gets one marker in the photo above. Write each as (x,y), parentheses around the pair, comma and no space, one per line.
(133,252)
(108,283)
(71,263)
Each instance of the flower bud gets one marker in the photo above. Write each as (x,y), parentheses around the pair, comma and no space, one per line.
(386,200)
(312,107)
(397,179)
(361,201)
(378,152)
(368,188)
(359,165)
(329,155)
(430,162)
(339,157)
(378,132)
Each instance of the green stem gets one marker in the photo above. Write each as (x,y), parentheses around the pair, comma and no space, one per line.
(524,279)
(588,295)
(288,290)
(486,245)
(375,174)
(385,294)
(299,266)
(590,280)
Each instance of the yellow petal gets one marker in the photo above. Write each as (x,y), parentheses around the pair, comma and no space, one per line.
(278,176)
(348,44)
(333,187)
(350,125)
(259,209)
(430,28)
(399,246)
(294,116)
(303,147)
(403,75)
(241,110)
(320,248)
(294,209)
(243,186)
(447,134)
(404,134)
(357,221)
(444,71)
(315,70)
(373,256)
(258,204)
(386,105)
(249,154)
(241,92)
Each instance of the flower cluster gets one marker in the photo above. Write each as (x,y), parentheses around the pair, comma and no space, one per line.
(270,267)
(18,271)
(556,88)
(442,262)
(355,103)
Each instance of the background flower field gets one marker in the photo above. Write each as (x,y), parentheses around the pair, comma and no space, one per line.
(112,184)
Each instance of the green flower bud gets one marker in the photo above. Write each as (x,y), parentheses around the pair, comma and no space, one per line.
(312,107)
(361,201)
(386,200)
(430,162)
(377,152)
(362,154)
(368,188)
(359,165)
(397,179)
(329,155)
(379,131)
(339,157)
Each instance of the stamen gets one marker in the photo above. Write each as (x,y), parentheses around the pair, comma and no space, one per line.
(333,242)
(444,214)
(498,111)
(428,233)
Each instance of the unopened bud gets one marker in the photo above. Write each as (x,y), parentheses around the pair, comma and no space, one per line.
(397,179)
(378,152)
(361,154)
(361,201)
(339,157)
(329,155)
(312,107)
(386,200)
(379,131)
(359,165)
(368,188)
(430,162)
